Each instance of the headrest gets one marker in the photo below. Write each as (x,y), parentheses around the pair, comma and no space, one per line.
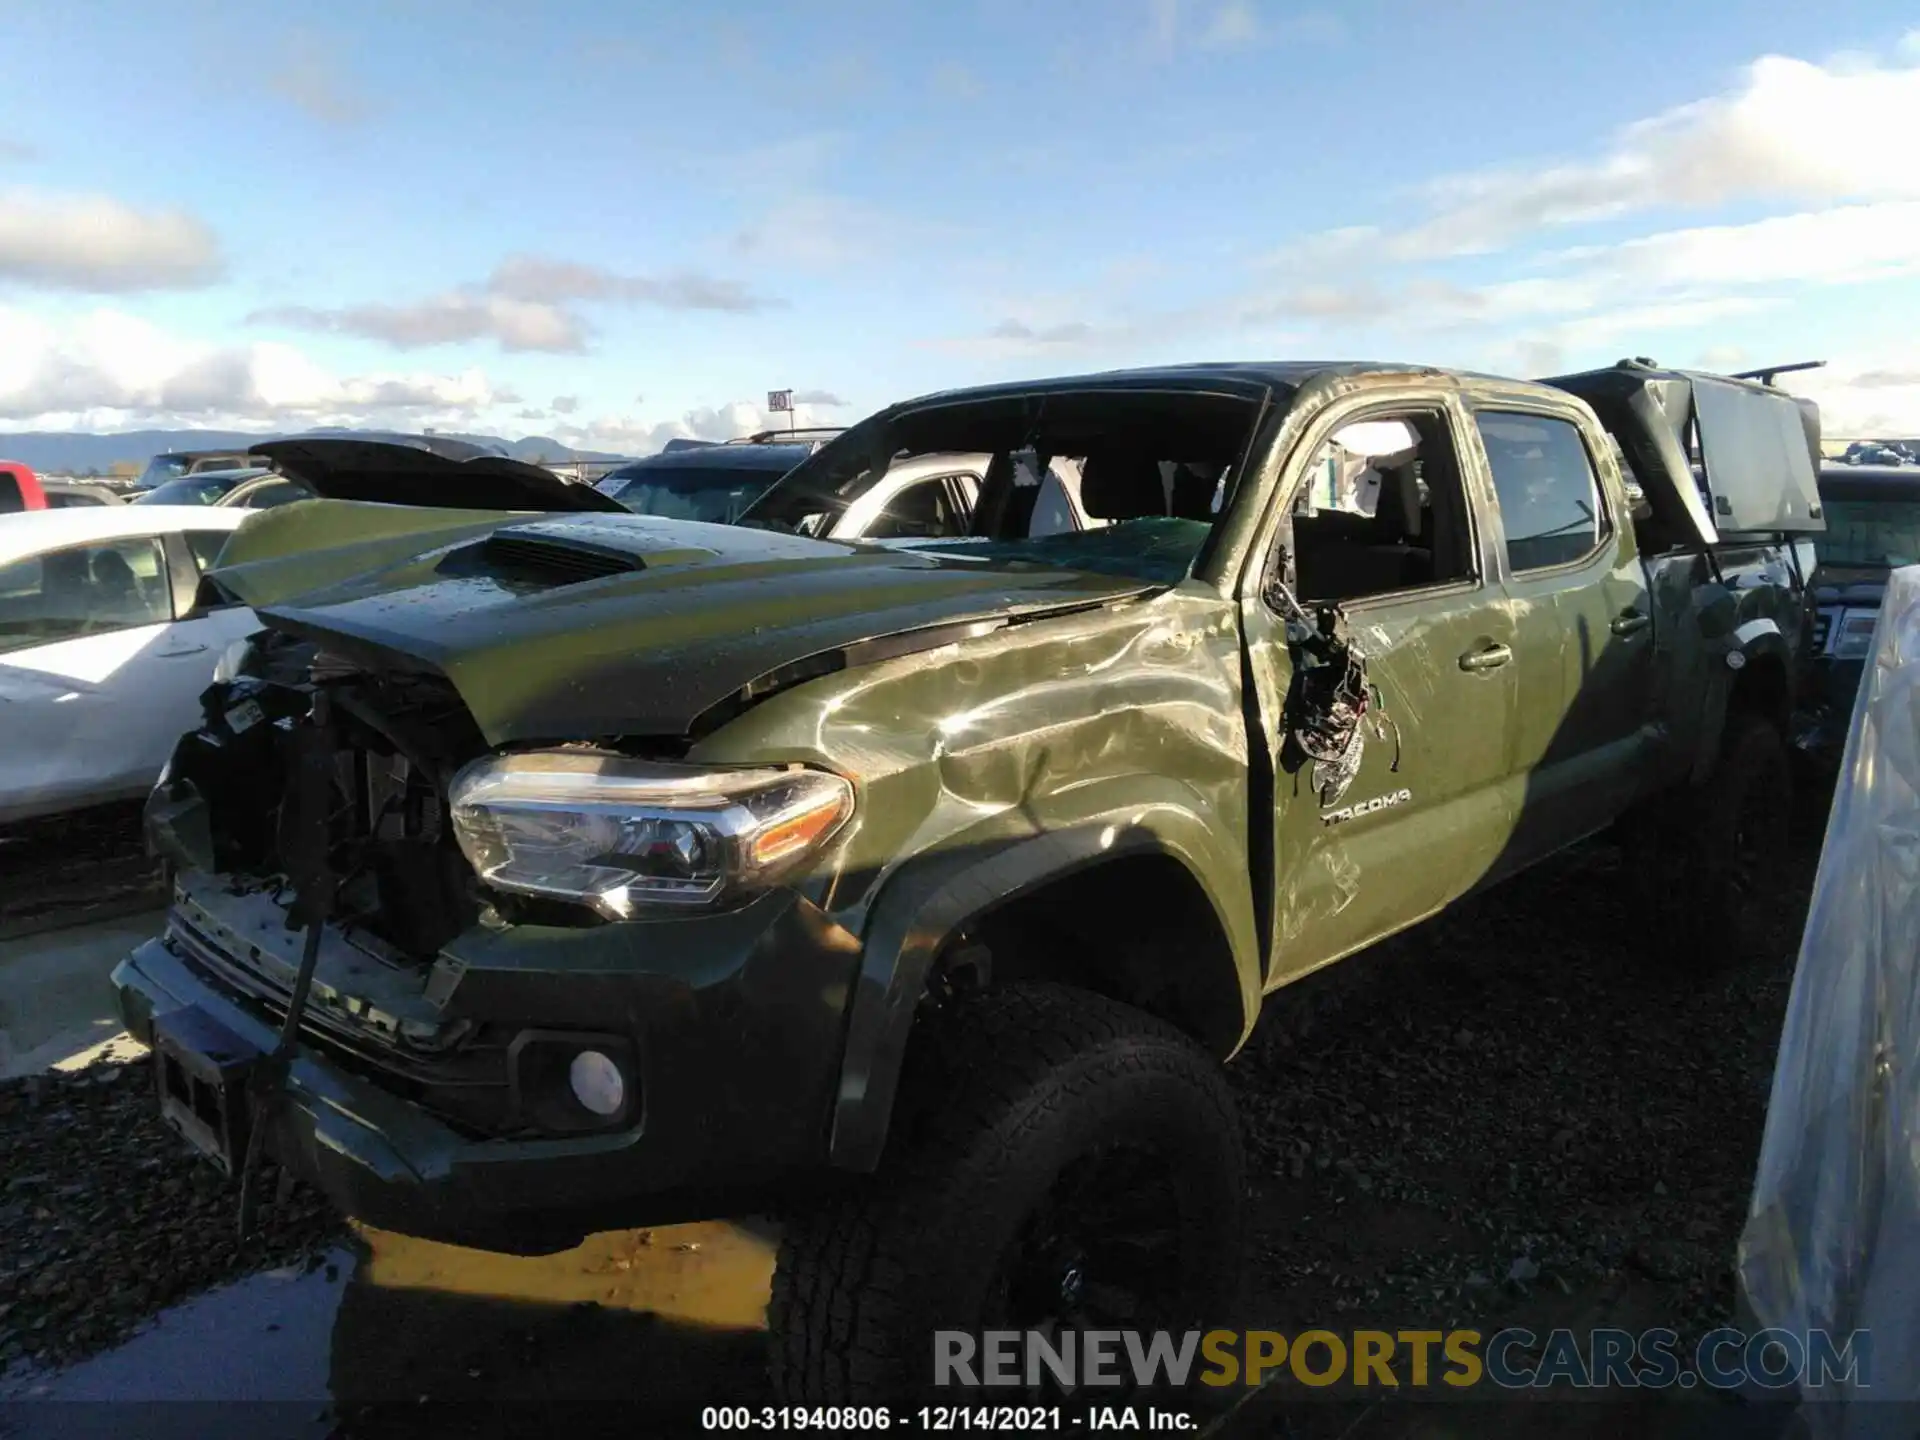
(110,567)
(1122,485)
(1397,513)
(1193,488)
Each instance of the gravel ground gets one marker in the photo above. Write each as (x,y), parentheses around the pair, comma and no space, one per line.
(1500,1108)
(106,1217)
(1503,1106)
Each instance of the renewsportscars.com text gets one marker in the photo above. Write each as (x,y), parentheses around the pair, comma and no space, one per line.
(1511,1359)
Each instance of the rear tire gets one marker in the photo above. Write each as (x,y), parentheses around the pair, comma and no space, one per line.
(1057,1158)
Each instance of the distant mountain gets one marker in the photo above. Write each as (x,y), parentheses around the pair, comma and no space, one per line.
(68,452)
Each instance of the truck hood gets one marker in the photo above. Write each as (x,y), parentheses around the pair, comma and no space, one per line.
(430,470)
(589,627)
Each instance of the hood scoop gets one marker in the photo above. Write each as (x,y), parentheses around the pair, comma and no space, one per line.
(536,560)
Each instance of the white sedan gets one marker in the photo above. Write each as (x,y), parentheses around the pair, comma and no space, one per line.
(102,655)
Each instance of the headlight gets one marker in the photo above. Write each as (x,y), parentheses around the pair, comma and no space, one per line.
(623,835)
(1854,639)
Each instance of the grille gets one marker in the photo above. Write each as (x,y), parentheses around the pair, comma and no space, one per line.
(478,1070)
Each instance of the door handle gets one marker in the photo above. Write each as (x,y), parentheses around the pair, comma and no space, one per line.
(1491,658)
(1631,623)
(183,650)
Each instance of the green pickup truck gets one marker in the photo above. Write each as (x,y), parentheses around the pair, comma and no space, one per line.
(542,873)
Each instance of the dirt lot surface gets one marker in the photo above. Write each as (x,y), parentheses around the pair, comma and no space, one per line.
(1504,1116)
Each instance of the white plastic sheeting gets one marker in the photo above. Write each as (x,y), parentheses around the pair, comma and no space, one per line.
(1832,1240)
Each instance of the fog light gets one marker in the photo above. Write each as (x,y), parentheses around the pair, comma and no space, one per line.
(597,1083)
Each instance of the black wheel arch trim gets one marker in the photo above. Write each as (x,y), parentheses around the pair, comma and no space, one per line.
(916,916)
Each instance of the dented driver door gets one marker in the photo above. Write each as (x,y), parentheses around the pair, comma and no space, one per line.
(1426,811)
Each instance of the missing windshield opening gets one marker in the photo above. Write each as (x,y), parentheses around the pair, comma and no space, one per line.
(1123,481)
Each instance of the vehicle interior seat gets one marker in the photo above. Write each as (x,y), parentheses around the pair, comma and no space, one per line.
(1339,556)
(116,591)
(1193,490)
(1122,484)
(66,592)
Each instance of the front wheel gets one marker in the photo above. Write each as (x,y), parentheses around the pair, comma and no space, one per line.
(1060,1162)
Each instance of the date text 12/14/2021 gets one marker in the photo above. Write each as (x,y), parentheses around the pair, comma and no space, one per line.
(942,1419)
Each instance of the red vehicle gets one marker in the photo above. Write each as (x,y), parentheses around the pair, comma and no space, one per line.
(19,488)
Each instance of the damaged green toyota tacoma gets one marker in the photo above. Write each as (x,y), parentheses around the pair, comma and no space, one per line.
(539,872)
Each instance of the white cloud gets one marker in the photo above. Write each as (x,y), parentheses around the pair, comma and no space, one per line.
(1847,244)
(1875,395)
(97,243)
(528,303)
(1791,131)
(453,318)
(536,279)
(1697,275)
(632,435)
(108,369)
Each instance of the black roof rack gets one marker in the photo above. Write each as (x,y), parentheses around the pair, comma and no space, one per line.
(805,434)
(1765,375)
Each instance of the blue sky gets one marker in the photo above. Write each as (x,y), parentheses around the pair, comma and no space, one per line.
(616,223)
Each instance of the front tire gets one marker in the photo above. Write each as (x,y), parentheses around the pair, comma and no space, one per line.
(1058,1160)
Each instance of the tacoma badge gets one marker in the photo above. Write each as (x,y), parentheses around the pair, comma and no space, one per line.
(1368,807)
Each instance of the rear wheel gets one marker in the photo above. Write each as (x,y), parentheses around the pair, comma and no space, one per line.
(1059,1162)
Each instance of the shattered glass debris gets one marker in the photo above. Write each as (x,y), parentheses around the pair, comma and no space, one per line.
(1333,705)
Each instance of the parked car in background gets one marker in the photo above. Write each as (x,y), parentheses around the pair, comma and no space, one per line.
(1878,452)
(172,464)
(701,480)
(102,656)
(70,494)
(1873,527)
(205,487)
(19,488)
(263,492)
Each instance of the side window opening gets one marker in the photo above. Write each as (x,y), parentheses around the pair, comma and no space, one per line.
(83,590)
(1382,511)
(922,510)
(1550,503)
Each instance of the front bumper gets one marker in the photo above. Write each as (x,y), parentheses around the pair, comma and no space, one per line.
(737,1023)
